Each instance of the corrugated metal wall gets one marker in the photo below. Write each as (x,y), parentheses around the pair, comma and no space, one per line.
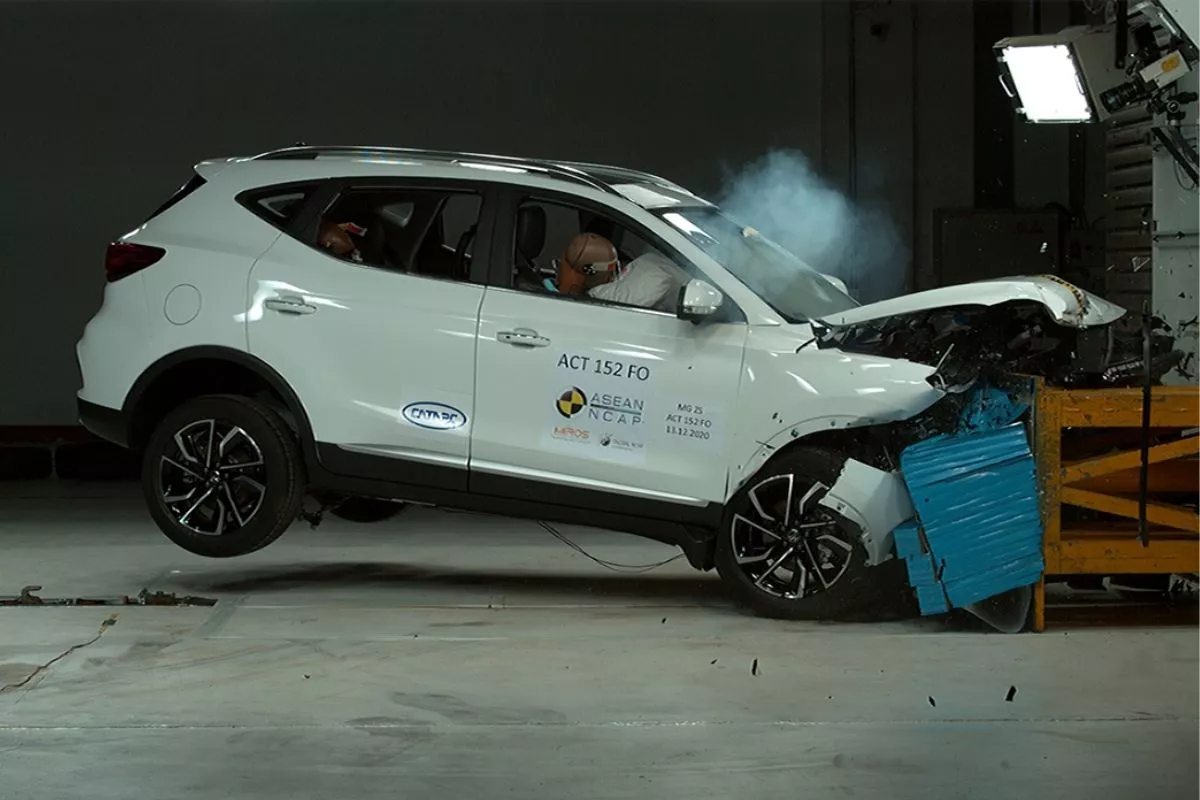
(1129,182)
(1129,178)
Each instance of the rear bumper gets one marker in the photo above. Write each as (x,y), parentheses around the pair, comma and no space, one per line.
(107,423)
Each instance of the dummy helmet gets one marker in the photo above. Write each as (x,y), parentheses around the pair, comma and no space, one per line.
(586,255)
(335,237)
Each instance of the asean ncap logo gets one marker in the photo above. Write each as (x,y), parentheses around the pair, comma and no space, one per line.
(571,402)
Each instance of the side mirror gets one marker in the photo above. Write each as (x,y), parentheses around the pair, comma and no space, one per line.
(698,300)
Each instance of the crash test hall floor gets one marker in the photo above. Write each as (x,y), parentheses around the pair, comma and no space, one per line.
(440,655)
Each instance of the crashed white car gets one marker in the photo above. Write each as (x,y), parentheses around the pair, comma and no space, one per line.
(373,327)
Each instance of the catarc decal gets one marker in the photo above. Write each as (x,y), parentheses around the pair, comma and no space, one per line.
(435,416)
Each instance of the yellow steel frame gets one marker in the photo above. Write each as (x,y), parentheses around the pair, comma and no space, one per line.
(1109,483)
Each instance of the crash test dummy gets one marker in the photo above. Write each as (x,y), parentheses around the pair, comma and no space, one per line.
(590,264)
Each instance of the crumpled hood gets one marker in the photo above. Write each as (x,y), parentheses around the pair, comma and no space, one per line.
(1066,303)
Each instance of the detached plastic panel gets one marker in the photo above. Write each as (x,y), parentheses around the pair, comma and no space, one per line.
(978,528)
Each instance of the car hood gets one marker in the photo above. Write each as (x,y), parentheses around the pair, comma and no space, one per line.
(1066,303)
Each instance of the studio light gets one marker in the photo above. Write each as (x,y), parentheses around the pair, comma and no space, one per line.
(1059,77)
(1047,83)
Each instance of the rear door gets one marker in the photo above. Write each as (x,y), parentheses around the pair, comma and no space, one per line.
(381,353)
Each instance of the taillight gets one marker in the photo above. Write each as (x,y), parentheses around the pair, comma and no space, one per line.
(124,259)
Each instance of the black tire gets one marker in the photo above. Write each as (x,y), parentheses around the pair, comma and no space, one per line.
(786,593)
(248,506)
(366,509)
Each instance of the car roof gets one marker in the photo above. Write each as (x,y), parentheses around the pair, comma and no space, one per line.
(643,188)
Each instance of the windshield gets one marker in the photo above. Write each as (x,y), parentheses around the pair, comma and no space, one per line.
(794,289)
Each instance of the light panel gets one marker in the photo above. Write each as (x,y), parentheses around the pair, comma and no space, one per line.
(1048,84)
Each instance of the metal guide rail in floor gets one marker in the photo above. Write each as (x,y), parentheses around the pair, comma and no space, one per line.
(1088,444)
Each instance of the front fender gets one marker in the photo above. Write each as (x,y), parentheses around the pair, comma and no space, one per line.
(790,395)
(753,462)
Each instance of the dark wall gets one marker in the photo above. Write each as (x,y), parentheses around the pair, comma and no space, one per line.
(899,121)
(107,105)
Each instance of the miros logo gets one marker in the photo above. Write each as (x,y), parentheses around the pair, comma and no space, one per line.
(567,432)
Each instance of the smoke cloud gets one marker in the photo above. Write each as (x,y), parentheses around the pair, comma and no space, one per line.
(783,197)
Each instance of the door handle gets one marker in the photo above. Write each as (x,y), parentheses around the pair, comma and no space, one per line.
(522,337)
(289,304)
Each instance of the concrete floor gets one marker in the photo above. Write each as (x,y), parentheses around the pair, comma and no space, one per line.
(441,655)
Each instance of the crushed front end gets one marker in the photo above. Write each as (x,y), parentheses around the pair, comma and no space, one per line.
(975,538)
(969,343)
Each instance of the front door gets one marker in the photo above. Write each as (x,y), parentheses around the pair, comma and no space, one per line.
(573,394)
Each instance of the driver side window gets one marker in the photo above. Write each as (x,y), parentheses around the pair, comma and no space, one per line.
(545,247)
(424,232)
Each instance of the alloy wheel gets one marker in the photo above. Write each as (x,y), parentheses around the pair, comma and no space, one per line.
(212,477)
(785,542)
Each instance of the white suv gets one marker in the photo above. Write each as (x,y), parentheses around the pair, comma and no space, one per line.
(750,416)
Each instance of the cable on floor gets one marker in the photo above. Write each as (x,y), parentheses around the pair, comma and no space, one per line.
(104,626)
(632,569)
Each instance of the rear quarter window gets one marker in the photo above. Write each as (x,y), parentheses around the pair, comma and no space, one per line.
(278,205)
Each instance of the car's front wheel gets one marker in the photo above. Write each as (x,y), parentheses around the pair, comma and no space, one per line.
(783,553)
(222,476)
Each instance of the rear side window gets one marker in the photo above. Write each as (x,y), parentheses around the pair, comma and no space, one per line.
(194,183)
(420,231)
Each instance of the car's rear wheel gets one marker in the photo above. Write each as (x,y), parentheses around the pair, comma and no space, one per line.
(222,476)
(366,509)
(783,553)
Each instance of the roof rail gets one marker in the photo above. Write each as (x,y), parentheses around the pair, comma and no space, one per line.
(566,171)
(621,172)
